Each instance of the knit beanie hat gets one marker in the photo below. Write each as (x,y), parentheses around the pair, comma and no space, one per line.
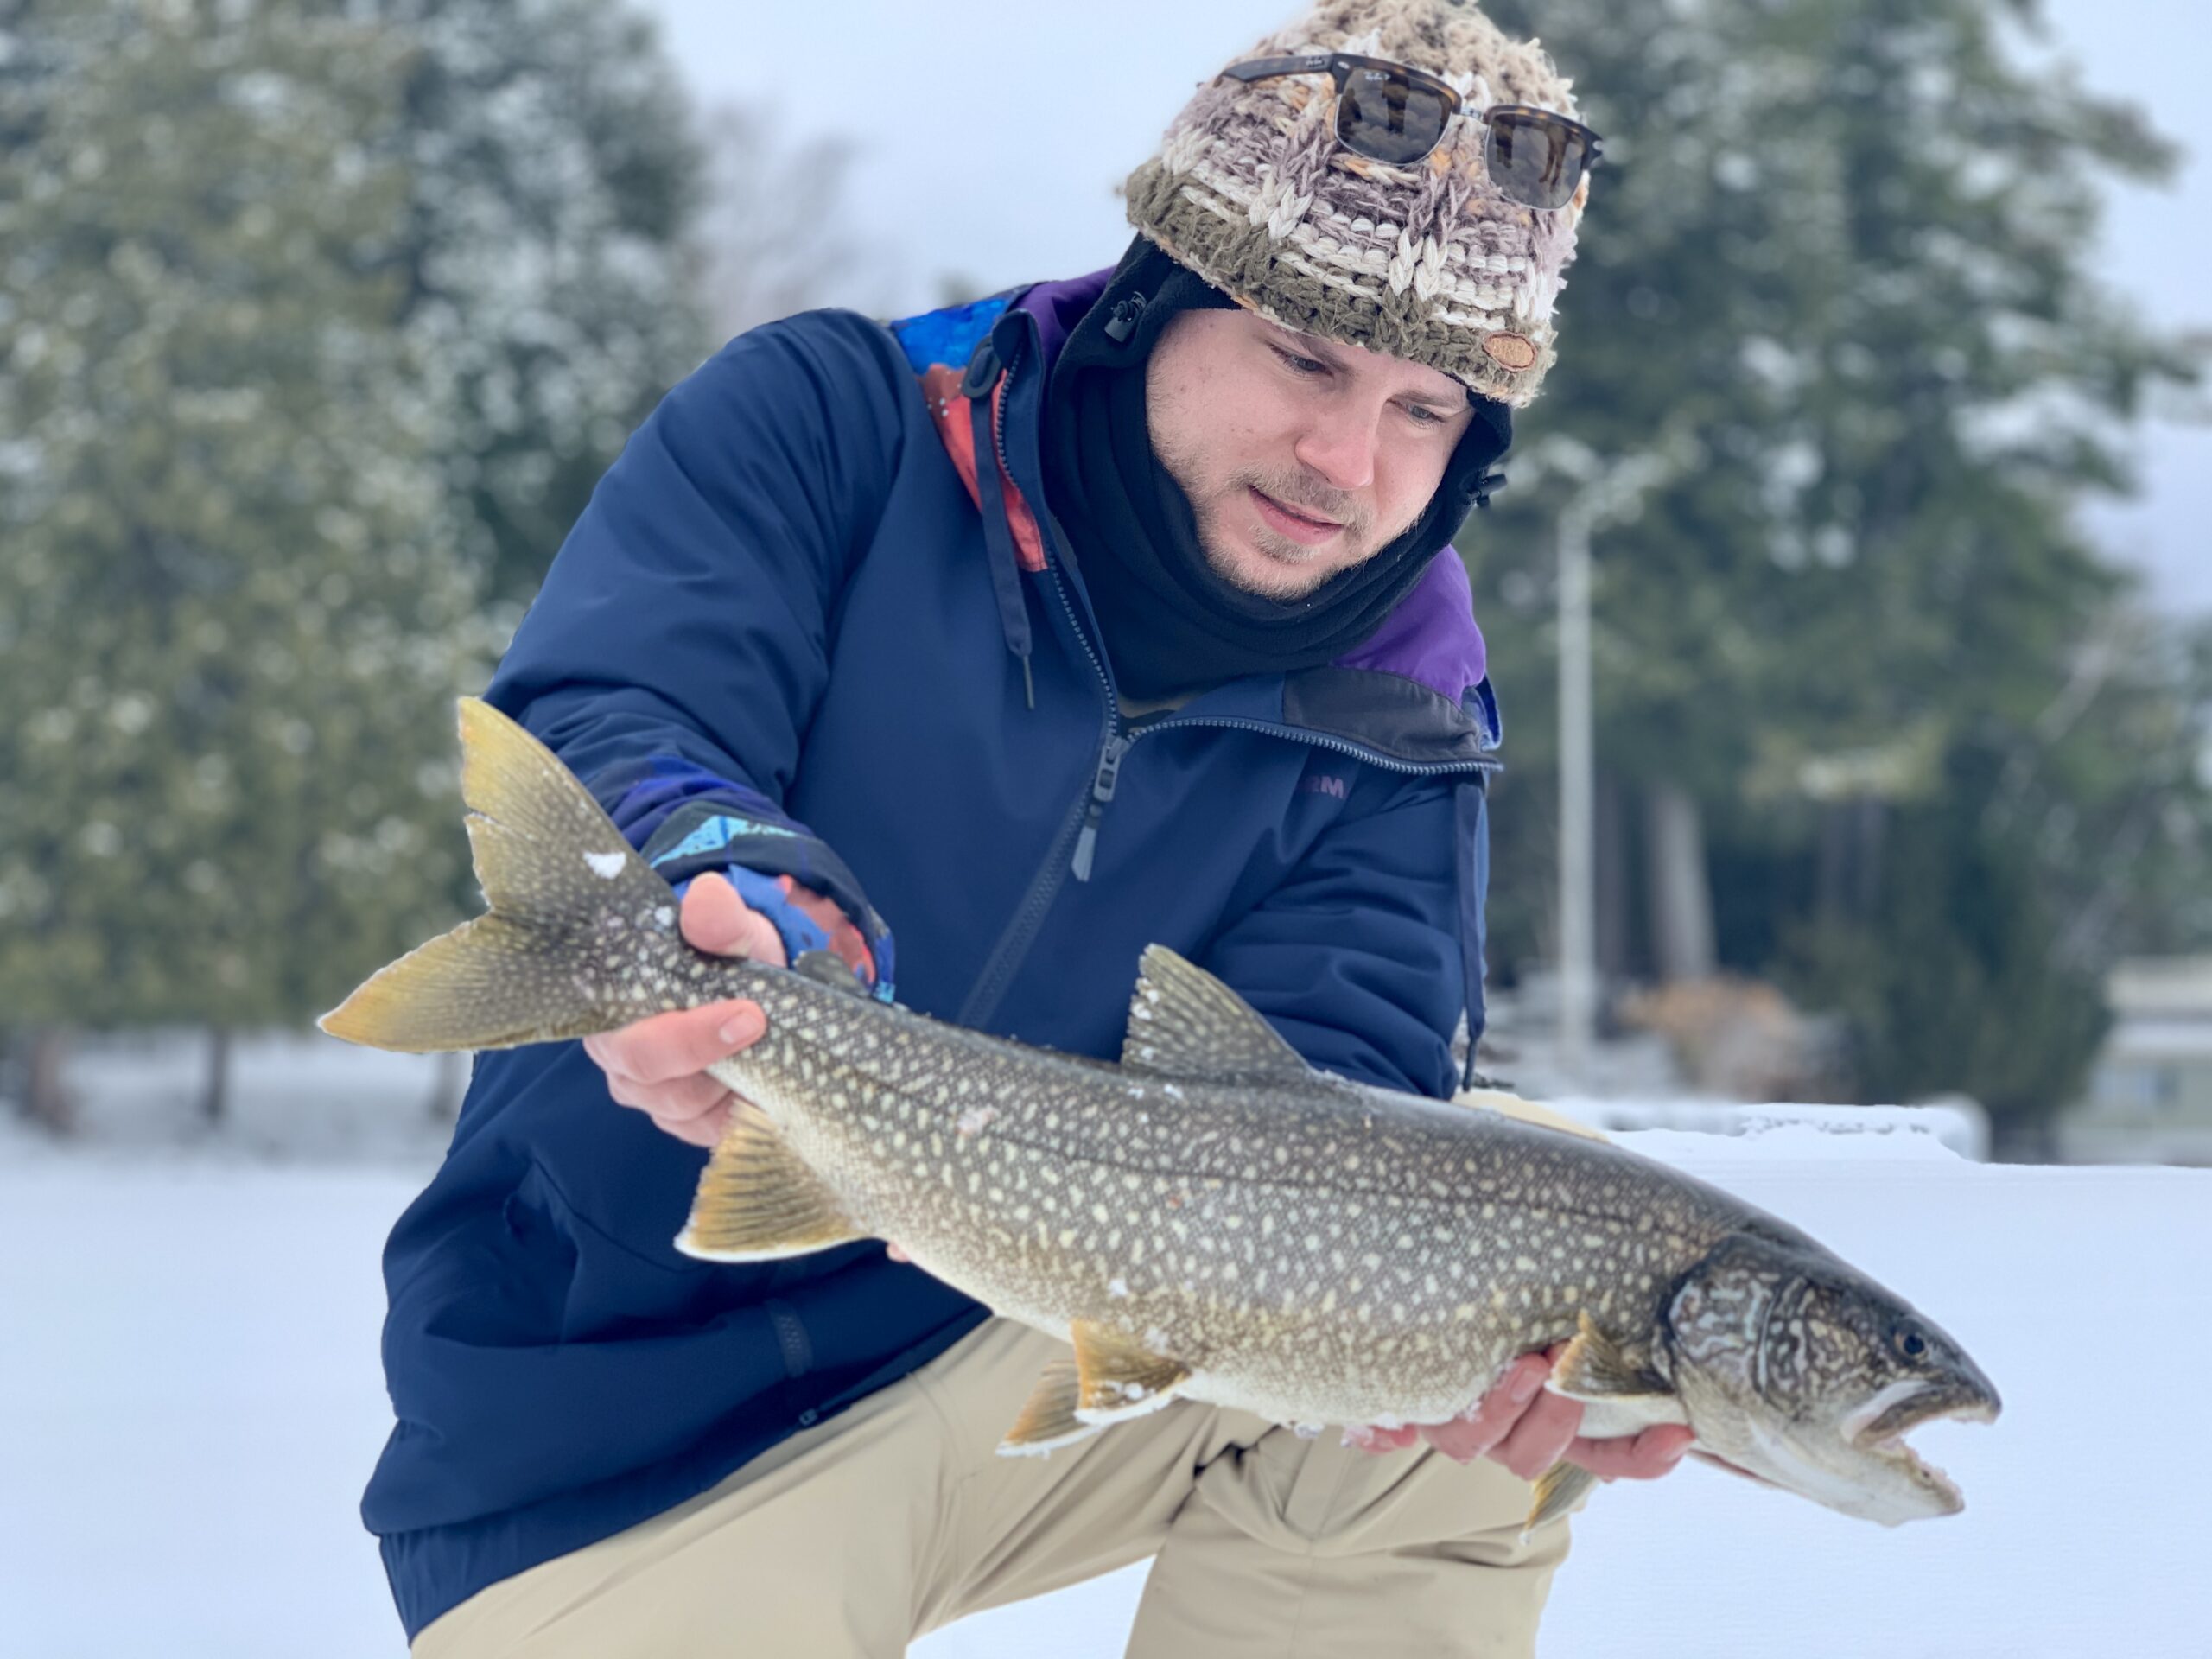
(1428,262)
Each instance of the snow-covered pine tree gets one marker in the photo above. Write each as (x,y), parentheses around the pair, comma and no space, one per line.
(233,617)
(1840,263)
(553,181)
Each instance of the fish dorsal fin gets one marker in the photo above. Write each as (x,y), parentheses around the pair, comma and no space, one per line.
(758,1201)
(1596,1368)
(1185,1023)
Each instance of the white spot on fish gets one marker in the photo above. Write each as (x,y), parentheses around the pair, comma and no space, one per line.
(665,915)
(972,1121)
(1169,1088)
(1117,1286)
(606,866)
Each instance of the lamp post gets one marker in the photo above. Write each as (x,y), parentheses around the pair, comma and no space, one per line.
(1603,492)
(1578,931)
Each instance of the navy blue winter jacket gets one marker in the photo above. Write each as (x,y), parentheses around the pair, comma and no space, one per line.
(796,601)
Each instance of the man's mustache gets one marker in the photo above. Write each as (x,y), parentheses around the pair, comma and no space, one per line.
(1303,496)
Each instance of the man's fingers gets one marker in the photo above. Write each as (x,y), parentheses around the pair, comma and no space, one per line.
(1502,1408)
(1645,1457)
(1541,1436)
(715,918)
(1462,1441)
(665,1046)
(1464,1438)
(705,1130)
(679,1100)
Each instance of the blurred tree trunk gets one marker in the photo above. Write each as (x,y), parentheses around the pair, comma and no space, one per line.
(1682,896)
(215,1100)
(46,1099)
(1847,862)
(1868,823)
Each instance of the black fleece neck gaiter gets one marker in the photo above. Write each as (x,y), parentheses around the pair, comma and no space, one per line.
(1172,624)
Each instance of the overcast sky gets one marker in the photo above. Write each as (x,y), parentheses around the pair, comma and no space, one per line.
(991,134)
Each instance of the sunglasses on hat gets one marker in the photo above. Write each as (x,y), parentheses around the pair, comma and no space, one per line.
(1392,113)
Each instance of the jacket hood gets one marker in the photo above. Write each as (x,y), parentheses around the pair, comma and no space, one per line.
(1431,640)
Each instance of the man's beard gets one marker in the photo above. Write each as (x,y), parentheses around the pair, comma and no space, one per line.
(1294,569)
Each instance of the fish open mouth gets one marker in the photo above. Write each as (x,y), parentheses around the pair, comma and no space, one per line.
(1878,1428)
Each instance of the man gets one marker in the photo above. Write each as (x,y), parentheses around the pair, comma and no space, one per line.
(1031,631)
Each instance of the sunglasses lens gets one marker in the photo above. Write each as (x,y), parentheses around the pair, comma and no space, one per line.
(1384,116)
(1536,161)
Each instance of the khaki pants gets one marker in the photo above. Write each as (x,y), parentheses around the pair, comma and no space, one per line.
(851,1539)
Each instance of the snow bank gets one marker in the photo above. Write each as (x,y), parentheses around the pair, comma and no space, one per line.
(1716,1128)
(191,1401)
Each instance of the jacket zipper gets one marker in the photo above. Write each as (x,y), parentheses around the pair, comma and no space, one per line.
(990,986)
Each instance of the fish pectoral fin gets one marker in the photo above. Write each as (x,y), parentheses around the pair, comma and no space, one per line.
(1595,1367)
(1185,1023)
(1559,1489)
(758,1201)
(1118,1377)
(1048,1422)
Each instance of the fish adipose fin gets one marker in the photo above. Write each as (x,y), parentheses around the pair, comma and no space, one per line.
(1048,1422)
(1118,1377)
(759,1202)
(1185,1023)
(1559,1489)
(556,874)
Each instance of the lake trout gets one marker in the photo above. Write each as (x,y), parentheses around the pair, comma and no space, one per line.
(1211,1218)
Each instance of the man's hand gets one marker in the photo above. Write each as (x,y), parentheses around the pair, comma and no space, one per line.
(1521,1426)
(659,1064)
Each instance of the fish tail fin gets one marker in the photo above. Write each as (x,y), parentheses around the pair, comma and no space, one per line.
(580,932)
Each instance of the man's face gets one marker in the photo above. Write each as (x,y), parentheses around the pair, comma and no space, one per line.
(1301,456)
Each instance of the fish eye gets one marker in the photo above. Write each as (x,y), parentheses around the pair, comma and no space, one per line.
(1908,1341)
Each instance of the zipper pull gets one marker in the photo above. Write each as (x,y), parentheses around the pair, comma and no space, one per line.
(1102,791)
(983,370)
(1122,321)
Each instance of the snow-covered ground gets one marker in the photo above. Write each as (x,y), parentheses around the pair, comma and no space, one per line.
(190,1399)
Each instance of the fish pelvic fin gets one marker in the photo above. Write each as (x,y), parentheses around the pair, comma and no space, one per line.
(577,919)
(1118,1377)
(1559,1489)
(1048,1422)
(1185,1023)
(758,1201)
